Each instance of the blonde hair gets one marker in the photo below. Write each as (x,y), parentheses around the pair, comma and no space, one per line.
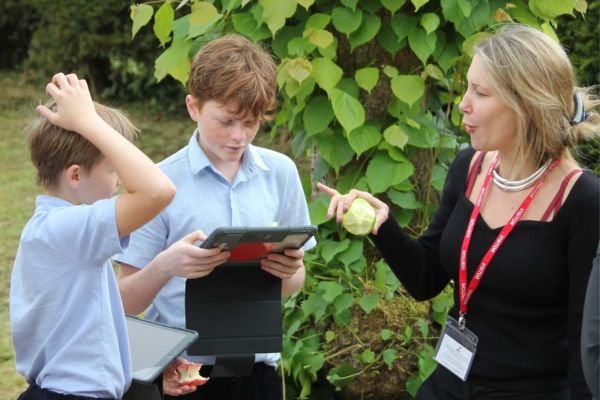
(533,74)
(234,69)
(52,148)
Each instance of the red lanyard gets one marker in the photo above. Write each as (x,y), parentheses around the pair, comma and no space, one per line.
(465,292)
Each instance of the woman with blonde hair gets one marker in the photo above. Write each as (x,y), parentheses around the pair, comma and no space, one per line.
(516,229)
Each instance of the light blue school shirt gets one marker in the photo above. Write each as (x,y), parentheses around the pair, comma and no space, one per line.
(67,320)
(266,190)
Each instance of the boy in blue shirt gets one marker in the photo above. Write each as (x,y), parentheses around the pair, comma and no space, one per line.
(222,179)
(67,319)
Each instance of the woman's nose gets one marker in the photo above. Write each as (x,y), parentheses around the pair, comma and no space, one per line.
(463,106)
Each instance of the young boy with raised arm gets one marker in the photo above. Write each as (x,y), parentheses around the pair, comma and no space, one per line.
(67,319)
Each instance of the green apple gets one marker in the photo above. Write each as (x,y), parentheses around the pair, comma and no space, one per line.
(360,217)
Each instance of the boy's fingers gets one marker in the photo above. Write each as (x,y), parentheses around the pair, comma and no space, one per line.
(46,113)
(195,236)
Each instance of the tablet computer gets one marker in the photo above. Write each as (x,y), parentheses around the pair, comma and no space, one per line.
(154,346)
(250,244)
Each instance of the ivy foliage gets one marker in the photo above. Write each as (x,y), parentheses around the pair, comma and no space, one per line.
(369,93)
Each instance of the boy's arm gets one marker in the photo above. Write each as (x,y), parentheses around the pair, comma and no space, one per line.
(183,258)
(148,189)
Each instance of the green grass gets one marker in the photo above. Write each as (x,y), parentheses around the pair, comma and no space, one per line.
(161,134)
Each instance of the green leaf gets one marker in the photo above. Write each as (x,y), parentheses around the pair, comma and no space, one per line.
(331,248)
(317,115)
(395,136)
(426,136)
(393,5)
(203,16)
(163,22)
(351,4)
(275,12)
(434,72)
(330,290)
(318,21)
(342,375)
(383,172)
(413,384)
(347,109)
(551,9)
(329,336)
(466,7)
(319,37)
(402,24)
(386,334)
(390,71)
(174,61)
(419,3)
(318,210)
(421,43)
(408,88)
(363,138)
(366,32)
(367,78)
(438,177)
(352,254)
(388,39)
(299,69)
(326,73)
(452,11)
(343,302)
(430,22)
(245,24)
(367,356)
(404,200)
(334,149)
(140,15)
(368,302)
(306,3)
(345,20)
(314,305)
(389,356)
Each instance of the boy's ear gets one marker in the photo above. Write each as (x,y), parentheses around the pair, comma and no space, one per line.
(72,175)
(192,107)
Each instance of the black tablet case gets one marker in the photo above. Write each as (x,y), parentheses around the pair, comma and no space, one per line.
(236,311)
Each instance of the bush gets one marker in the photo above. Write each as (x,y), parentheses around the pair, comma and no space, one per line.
(93,39)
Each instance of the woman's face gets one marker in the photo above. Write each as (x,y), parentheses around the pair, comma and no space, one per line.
(489,121)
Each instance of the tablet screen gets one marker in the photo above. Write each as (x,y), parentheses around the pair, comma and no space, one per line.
(153,346)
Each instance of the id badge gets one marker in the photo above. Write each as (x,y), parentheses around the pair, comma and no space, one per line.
(456,348)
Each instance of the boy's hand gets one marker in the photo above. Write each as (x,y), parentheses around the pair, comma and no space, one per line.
(74,103)
(284,265)
(185,259)
(171,385)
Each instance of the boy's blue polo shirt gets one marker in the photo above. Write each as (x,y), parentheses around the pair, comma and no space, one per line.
(67,320)
(266,190)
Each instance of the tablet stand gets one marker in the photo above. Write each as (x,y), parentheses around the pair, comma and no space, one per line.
(236,311)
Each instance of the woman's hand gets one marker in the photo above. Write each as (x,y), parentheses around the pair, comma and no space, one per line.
(340,203)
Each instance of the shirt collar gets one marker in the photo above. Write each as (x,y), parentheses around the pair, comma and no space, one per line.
(251,160)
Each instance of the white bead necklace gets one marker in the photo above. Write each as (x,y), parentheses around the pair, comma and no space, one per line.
(516,186)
